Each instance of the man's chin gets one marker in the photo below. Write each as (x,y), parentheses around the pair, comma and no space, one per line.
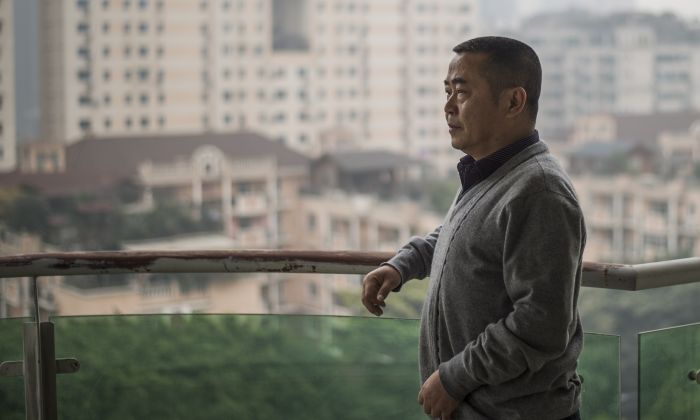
(456,143)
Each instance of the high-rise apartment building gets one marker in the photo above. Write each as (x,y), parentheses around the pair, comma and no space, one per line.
(8,140)
(314,74)
(625,63)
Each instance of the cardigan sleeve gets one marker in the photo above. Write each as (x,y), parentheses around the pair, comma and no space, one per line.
(542,257)
(414,259)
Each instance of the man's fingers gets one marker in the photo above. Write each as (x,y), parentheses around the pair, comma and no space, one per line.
(370,286)
(420,397)
(384,291)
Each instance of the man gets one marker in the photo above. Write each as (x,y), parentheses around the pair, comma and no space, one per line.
(500,332)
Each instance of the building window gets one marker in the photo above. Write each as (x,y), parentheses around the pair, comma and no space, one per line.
(144,122)
(161,98)
(143,99)
(105,52)
(143,4)
(83,27)
(106,75)
(127,99)
(108,123)
(107,99)
(83,52)
(227,95)
(105,4)
(127,27)
(84,125)
(143,27)
(143,51)
(143,74)
(159,51)
(161,121)
(127,3)
(127,51)
(127,74)
(105,27)
(227,119)
(83,75)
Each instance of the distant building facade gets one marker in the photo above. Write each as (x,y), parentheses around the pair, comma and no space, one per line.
(639,219)
(8,137)
(627,63)
(371,70)
(256,188)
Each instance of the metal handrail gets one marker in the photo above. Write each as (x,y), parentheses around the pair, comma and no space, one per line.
(600,275)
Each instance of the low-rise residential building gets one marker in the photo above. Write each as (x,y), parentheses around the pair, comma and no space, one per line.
(635,219)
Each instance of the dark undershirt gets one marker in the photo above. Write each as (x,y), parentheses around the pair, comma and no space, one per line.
(471,171)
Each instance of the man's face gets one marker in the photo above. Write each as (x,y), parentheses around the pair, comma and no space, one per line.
(471,112)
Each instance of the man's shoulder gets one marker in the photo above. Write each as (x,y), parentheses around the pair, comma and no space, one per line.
(541,173)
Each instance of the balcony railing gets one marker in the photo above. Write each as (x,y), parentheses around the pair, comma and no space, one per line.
(281,366)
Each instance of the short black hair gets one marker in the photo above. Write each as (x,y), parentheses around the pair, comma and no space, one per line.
(510,63)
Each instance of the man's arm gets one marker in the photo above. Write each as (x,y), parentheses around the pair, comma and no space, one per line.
(545,236)
(413,260)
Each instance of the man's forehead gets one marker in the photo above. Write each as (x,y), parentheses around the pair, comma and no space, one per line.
(462,66)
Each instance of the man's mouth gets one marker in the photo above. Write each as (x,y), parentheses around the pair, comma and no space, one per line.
(453,127)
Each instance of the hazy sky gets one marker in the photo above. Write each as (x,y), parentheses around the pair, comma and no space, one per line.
(687,9)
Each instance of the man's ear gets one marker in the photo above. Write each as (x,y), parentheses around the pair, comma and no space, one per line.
(514,101)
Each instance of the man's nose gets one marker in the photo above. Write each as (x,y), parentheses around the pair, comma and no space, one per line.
(449,106)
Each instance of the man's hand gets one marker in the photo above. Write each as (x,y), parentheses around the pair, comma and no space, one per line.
(435,400)
(377,285)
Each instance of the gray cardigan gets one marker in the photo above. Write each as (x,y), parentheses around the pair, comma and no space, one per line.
(500,318)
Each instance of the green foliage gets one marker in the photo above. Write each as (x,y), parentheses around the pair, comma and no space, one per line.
(252,367)
(404,305)
(666,357)
(24,211)
(441,192)
(629,313)
(94,221)
(11,389)
(163,220)
(240,367)
(599,367)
